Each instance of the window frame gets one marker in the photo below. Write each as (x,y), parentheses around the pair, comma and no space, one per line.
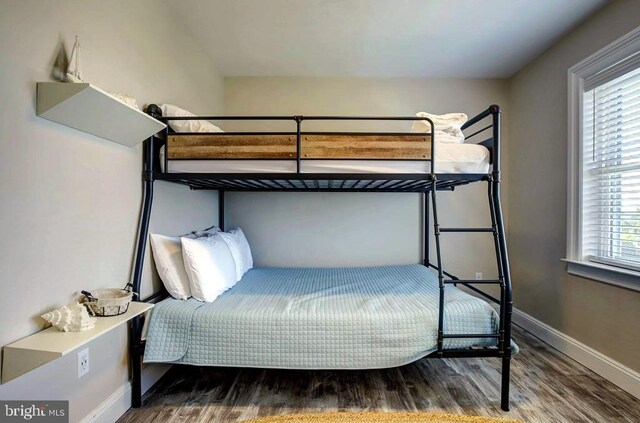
(604,58)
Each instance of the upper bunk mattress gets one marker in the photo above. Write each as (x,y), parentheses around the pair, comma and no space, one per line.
(318,318)
(449,158)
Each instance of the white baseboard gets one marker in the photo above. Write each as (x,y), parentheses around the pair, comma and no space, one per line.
(615,372)
(119,402)
(112,408)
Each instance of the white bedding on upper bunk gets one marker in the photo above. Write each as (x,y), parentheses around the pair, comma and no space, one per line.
(449,158)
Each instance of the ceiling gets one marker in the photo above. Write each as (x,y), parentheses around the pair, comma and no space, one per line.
(377,38)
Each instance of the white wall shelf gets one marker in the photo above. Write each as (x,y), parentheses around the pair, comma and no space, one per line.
(87,108)
(40,348)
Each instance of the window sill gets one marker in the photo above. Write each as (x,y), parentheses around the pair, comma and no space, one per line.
(611,275)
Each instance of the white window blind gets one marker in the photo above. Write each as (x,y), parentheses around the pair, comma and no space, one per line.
(611,168)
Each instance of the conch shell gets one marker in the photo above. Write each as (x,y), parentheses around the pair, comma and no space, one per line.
(70,318)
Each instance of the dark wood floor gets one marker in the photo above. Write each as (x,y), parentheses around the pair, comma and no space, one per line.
(546,386)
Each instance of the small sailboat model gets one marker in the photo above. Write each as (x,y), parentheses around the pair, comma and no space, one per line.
(73,71)
(61,64)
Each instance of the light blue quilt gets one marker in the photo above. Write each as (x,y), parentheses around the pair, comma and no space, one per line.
(317,318)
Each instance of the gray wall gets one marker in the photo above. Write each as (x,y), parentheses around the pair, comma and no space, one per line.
(70,210)
(70,202)
(602,316)
(344,229)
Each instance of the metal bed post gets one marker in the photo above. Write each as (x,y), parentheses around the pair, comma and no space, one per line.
(298,120)
(496,242)
(166,149)
(221,209)
(136,346)
(425,232)
(436,233)
(426,203)
(506,305)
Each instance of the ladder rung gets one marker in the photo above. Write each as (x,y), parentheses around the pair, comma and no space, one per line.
(471,335)
(483,281)
(466,229)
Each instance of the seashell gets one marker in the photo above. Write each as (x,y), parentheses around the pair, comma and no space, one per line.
(70,318)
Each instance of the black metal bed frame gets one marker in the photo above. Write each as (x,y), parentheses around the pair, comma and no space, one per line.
(426,183)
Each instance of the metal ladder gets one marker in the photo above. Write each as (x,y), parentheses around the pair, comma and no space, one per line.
(498,239)
(503,280)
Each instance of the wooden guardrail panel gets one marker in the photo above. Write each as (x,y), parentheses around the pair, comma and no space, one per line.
(363,147)
(230,146)
(313,146)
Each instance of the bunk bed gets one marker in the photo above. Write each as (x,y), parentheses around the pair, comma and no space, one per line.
(300,160)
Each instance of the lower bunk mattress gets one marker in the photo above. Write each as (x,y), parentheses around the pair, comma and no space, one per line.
(318,318)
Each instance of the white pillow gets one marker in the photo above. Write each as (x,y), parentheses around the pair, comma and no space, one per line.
(245,249)
(234,248)
(239,247)
(169,110)
(209,266)
(167,253)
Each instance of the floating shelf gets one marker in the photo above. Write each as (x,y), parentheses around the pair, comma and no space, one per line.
(40,348)
(87,108)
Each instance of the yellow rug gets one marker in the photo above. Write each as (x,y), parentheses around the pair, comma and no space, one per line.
(380,418)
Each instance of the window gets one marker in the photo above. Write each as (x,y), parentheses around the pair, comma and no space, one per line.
(604,165)
(611,172)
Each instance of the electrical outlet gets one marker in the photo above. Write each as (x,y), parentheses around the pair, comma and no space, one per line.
(83,362)
(478,276)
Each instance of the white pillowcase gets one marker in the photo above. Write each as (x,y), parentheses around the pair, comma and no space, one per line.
(167,253)
(209,265)
(247,258)
(239,247)
(169,110)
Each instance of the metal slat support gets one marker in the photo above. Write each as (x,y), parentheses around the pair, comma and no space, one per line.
(470,335)
(466,230)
